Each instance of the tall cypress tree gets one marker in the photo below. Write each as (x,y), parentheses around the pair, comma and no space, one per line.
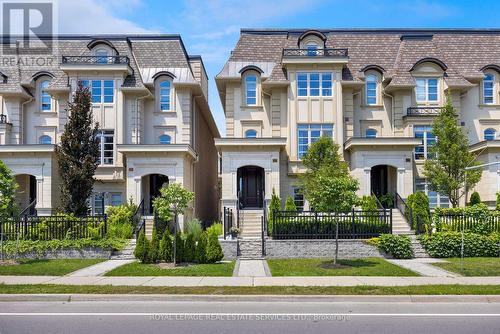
(78,154)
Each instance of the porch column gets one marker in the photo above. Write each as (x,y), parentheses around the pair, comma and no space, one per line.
(367,181)
(137,190)
(401,182)
(43,204)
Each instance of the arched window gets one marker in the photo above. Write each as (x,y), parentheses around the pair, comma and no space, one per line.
(165,139)
(45,99)
(251,89)
(371,133)
(45,140)
(164,95)
(488,85)
(102,56)
(251,134)
(371,89)
(490,134)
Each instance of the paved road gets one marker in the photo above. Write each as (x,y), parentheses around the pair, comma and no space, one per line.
(203,315)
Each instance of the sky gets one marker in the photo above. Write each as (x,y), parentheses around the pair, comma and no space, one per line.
(211,28)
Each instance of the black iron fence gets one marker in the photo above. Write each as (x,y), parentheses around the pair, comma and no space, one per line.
(228,221)
(95,60)
(327,53)
(53,227)
(458,221)
(357,224)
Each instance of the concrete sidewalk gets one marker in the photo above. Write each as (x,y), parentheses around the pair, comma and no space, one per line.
(249,281)
(100,269)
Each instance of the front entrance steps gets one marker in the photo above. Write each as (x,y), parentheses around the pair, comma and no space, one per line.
(399,223)
(127,253)
(418,250)
(251,223)
(150,221)
(250,248)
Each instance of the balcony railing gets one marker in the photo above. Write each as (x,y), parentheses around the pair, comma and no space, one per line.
(323,53)
(423,111)
(95,60)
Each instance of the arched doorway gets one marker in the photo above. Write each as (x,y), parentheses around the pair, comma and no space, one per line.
(26,193)
(383,180)
(151,185)
(250,187)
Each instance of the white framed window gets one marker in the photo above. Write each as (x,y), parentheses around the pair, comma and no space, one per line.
(165,139)
(314,84)
(371,89)
(102,56)
(98,203)
(310,133)
(116,199)
(427,89)
(251,89)
(45,140)
(298,199)
(436,200)
(164,95)
(488,88)
(312,49)
(102,91)
(45,98)
(423,132)
(106,147)
(490,134)
(370,133)
(251,133)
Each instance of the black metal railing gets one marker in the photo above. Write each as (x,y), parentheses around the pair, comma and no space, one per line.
(403,207)
(29,210)
(138,219)
(357,224)
(54,227)
(227,220)
(3,119)
(95,60)
(379,204)
(324,53)
(423,111)
(468,222)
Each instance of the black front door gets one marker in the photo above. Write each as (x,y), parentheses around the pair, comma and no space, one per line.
(32,194)
(379,180)
(250,187)
(156,182)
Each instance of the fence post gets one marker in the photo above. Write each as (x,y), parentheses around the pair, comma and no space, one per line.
(1,239)
(25,219)
(105,225)
(353,223)
(262,237)
(390,218)
(224,222)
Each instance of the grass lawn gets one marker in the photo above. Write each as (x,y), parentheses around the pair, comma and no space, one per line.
(260,290)
(320,267)
(473,266)
(57,267)
(139,269)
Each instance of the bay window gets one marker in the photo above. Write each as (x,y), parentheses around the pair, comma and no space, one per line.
(310,133)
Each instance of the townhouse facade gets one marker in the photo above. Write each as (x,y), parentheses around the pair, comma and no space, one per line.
(374,92)
(150,99)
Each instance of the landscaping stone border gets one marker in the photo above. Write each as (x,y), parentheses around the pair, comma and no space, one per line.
(67,253)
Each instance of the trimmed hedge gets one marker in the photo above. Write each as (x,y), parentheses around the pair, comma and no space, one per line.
(419,204)
(478,219)
(399,246)
(448,244)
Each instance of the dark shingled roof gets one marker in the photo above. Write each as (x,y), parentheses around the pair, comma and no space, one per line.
(464,52)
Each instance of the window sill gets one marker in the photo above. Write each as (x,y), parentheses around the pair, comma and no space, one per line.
(378,105)
(488,105)
(45,113)
(252,106)
(170,112)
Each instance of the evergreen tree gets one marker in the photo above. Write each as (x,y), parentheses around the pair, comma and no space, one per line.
(290,204)
(166,247)
(8,186)
(214,249)
(179,248)
(275,205)
(474,198)
(78,154)
(141,251)
(201,248)
(445,171)
(189,248)
(154,248)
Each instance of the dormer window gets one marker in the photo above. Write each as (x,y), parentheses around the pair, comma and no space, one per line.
(488,88)
(490,134)
(312,49)
(45,140)
(164,95)
(165,139)
(45,98)
(251,134)
(427,89)
(371,89)
(371,133)
(102,56)
(251,89)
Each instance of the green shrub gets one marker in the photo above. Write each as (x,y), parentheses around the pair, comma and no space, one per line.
(419,204)
(41,246)
(194,227)
(497,207)
(474,198)
(478,219)
(275,205)
(448,244)
(399,246)
(369,205)
(179,248)
(373,241)
(166,248)
(290,204)
(141,251)
(120,220)
(189,248)
(214,250)
(154,248)
(201,248)
(215,229)
(387,200)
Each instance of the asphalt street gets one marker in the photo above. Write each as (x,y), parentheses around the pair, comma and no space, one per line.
(254,315)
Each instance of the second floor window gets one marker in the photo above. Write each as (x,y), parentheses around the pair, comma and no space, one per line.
(165,139)
(310,133)
(436,200)
(488,84)
(371,89)
(427,90)
(251,134)
(424,132)
(102,90)
(165,95)
(106,147)
(490,134)
(45,99)
(45,140)
(251,90)
(371,133)
(314,84)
